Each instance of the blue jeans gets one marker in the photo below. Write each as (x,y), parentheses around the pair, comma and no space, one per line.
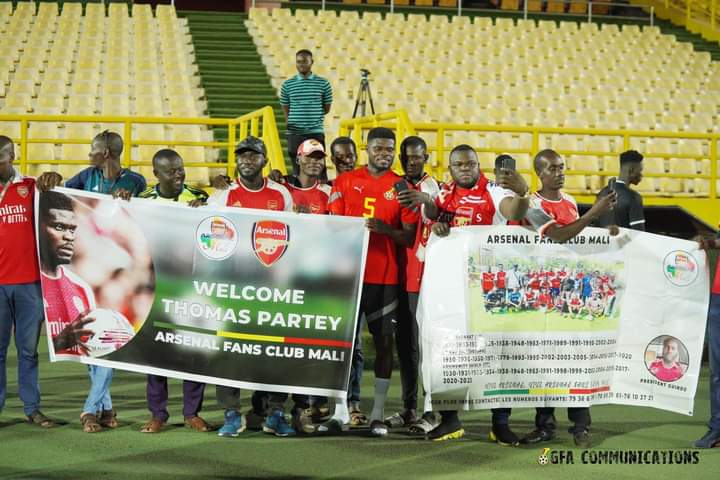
(357,366)
(21,307)
(714,357)
(98,398)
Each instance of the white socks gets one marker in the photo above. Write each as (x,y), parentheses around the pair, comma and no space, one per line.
(341,411)
(381,389)
(427,404)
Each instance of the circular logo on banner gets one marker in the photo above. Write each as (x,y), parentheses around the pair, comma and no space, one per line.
(680,268)
(216,237)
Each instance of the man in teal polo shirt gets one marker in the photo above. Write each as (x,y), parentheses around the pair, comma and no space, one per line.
(306,99)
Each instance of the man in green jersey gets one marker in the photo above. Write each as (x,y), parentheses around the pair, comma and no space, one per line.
(169,170)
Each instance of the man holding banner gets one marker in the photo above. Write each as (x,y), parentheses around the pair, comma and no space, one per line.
(371,193)
(252,190)
(554,214)
(471,200)
(712,436)
(170,172)
(21,306)
(105,176)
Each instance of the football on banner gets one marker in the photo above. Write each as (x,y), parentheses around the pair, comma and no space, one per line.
(111,331)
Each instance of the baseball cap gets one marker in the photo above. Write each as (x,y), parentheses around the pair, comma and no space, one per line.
(252,144)
(309,147)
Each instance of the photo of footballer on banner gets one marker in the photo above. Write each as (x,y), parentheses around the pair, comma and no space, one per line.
(96,275)
(227,296)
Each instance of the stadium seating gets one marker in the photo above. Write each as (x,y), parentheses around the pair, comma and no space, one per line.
(559,74)
(101,62)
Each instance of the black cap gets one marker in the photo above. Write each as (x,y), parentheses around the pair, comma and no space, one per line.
(252,144)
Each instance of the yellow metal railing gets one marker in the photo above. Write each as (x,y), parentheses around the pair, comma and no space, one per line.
(698,16)
(528,140)
(260,123)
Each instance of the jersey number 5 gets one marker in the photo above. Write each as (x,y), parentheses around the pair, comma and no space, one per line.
(369,206)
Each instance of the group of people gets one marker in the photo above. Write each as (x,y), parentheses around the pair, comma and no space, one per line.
(574,293)
(400,211)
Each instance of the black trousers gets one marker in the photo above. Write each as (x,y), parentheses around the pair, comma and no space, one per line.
(294,140)
(579,416)
(408,348)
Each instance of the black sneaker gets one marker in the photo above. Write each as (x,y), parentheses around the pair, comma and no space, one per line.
(504,436)
(446,430)
(582,439)
(537,436)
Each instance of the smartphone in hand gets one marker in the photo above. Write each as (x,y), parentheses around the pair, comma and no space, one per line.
(508,163)
(401,186)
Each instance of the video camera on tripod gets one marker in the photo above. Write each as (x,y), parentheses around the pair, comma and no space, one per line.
(363,95)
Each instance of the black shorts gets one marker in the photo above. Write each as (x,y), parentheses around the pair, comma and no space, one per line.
(379,303)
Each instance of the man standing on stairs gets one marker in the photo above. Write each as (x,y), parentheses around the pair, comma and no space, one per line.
(305,99)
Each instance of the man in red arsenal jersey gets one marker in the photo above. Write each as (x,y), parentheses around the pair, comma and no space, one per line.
(500,278)
(413,157)
(21,304)
(309,195)
(488,281)
(469,199)
(370,192)
(251,189)
(553,213)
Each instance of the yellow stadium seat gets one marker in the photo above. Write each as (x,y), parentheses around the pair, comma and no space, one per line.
(647,186)
(50,87)
(555,6)
(669,186)
(21,102)
(510,4)
(534,5)
(10,129)
(81,105)
(50,104)
(578,8)
(118,105)
(654,165)
(44,152)
(115,88)
(683,166)
(576,183)
(148,106)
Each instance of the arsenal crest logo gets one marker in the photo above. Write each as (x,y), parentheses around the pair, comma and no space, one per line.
(270,240)
(23,191)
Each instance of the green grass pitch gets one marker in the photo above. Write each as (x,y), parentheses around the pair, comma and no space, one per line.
(29,452)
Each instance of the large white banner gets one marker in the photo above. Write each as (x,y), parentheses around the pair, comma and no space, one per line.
(510,319)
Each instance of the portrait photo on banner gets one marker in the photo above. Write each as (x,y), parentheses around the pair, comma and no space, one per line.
(97,274)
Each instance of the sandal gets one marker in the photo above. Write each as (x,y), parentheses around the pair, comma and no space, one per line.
(197,424)
(358,418)
(154,425)
(38,418)
(108,418)
(423,426)
(395,421)
(90,423)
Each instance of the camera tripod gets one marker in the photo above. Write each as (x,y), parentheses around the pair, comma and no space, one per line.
(364,96)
